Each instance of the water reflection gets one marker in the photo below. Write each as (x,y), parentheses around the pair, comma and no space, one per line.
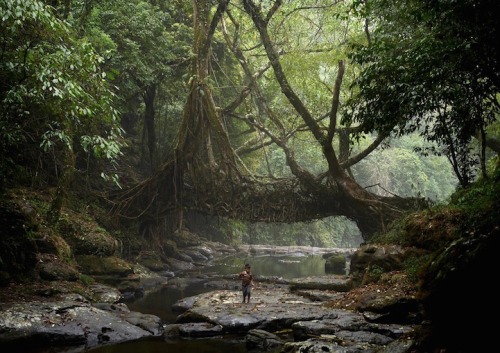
(160,302)
(294,266)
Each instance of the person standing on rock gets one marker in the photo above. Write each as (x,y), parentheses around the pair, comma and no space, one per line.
(246,277)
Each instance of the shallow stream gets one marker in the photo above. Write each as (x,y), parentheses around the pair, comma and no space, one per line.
(160,302)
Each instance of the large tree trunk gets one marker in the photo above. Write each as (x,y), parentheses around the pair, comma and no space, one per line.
(202,175)
(371,212)
(149,122)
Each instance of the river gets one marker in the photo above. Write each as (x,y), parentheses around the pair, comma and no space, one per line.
(160,302)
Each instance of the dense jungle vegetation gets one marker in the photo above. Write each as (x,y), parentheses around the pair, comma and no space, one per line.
(136,123)
(351,105)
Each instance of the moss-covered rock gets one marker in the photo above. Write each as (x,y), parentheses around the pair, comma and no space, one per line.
(184,238)
(152,260)
(87,239)
(335,263)
(51,268)
(104,265)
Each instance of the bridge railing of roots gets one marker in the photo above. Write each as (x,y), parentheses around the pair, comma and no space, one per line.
(219,193)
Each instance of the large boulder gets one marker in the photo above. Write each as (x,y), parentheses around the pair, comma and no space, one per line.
(51,268)
(87,239)
(370,261)
(71,323)
(104,265)
(262,341)
(335,263)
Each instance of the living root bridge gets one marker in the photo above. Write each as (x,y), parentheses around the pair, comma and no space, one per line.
(171,192)
(271,200)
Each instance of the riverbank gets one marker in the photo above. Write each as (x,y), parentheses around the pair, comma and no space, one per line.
(62,312)
(310,316)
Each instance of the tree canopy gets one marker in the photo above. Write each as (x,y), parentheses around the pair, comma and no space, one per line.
(58,111)
(267,111)
(430,68)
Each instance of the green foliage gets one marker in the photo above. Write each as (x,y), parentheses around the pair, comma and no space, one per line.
(86,280)
(471,211)
(396,234)
(54,95)
(399,170)
(373,273)
(328,232)
(310,62)
(145,45)
(232,230)
(430,229)
(479,203)
(415,265)
(428,69)
(132,35)
(57,98)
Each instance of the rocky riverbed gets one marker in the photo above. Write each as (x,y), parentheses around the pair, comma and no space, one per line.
(316,313)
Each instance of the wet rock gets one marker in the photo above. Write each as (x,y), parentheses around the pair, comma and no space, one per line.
(206,251)
(104,293)
(152,261)
(218,249)
(385,309)
(131,293)
(184,304)
(399,346)
(273,308)
(200,329)
(334,344)
(335,263)
(370,261)
(292,250)
(65,323)
(262,341)
(315,327)
(167,274)
(184,257)
(269,310)
(195,255)
(191,330)
(324,345)
(148,322)
(171,331)
(330,282)
(338,320)
(317,295)
(118,309)
(361,337)
(104,266)
(179,265)
(345,321)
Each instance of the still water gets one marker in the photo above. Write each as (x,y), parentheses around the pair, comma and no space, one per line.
(285,266)
(160,302)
